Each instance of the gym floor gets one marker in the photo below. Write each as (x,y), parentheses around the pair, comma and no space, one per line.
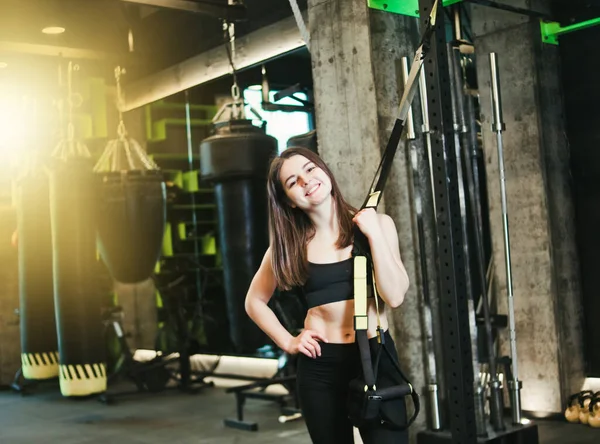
(45,416)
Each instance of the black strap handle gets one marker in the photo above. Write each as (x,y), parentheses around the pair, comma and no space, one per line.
(414,395)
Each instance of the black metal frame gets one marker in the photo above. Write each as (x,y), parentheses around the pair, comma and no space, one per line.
(453,299)
(232,13)
(303,105)
(24,386)
(152,376)
(453,295)
(255,390)
(510,8)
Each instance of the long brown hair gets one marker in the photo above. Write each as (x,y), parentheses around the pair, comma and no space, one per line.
(290,229)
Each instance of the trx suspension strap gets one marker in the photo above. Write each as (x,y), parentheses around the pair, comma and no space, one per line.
(382,173)
(363,264)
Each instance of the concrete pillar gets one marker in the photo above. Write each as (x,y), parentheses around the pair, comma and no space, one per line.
(344,89)
(544,262)
(356,54)
(556,172)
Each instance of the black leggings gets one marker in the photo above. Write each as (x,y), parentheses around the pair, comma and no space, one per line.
(323,388)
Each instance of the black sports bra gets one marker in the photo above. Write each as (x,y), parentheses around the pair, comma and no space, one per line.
(330,282)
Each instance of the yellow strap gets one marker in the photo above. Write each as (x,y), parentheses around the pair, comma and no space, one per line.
(376,295)
(360,293)
(373,199)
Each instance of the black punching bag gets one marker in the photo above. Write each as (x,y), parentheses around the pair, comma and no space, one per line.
(78,301)
(131,222)
(39,344)
(306,140)
(236,159)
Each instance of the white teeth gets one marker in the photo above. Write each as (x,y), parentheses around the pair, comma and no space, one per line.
(312,189)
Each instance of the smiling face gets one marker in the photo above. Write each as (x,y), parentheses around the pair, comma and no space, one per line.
(305,184)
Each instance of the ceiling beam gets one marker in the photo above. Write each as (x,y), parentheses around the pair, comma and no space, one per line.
(50,50)
(261,45)
(208,7)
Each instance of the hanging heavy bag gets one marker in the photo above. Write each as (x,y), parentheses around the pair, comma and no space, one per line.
(371,404)
(132,205)
(39,344)
(78,301)
(131,222)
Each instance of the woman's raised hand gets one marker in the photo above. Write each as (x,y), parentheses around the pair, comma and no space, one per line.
(306,343)
(367,221)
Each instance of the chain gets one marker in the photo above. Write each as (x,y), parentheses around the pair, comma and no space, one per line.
(304,33)
(123,145)
(231,35)
(68,146)
(237,106)
(121,131)
(70,102)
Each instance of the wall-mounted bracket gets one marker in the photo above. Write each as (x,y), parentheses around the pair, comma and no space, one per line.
(552,30)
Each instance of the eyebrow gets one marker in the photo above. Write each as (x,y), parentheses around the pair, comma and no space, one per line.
(304,166)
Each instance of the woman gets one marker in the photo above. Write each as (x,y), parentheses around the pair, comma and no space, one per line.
(310,248)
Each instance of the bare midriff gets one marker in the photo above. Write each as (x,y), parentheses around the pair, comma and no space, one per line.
(335,321)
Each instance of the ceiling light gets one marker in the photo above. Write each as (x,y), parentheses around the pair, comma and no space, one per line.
(53,30)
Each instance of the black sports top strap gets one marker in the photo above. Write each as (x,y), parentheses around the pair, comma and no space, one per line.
(330,282)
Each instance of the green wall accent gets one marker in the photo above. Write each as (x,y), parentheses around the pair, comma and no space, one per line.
(91,120)
(156,130)
(404,7)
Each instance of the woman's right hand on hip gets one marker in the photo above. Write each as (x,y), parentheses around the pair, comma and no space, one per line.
(306,343)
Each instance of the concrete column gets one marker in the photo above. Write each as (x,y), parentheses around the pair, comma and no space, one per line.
(344,89)
(566,279)
(356,54)
(544,264)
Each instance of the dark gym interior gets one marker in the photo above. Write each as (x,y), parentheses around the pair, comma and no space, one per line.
(135,141)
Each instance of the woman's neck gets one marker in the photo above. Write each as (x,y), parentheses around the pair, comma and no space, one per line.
(324,219)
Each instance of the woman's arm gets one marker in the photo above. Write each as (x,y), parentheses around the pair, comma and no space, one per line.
(260,292)
(390,275)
